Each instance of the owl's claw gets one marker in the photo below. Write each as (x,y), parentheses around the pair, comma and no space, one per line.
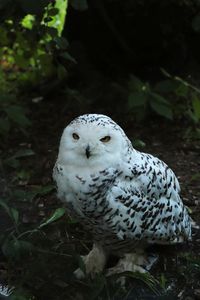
(94,263)
(79,274)
(132,262)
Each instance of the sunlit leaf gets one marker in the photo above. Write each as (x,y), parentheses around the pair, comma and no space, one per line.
(28,21)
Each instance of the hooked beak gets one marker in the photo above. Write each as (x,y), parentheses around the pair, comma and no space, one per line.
(87,151)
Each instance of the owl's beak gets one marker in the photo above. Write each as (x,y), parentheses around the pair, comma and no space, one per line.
(87,151)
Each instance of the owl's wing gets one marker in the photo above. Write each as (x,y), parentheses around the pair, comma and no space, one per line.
(148,204)
(155,178)
(138,216)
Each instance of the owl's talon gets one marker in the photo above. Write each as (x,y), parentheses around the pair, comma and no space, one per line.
(131,262)
(79,274)
(94,263)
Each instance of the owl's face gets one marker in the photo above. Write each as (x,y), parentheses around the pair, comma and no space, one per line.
(92,140)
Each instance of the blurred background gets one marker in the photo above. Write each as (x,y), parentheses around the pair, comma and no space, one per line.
(137,61)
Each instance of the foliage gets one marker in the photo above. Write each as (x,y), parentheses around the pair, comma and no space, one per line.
(141,97)
(171,98)
(31,52)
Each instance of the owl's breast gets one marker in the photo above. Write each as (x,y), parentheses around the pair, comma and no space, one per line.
(84,190)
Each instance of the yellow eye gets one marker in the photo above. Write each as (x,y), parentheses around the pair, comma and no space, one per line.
(105,139)
(75,136)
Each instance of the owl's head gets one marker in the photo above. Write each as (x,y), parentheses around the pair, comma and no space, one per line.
(92,140)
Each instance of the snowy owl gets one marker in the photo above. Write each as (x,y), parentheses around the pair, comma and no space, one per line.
(126,200)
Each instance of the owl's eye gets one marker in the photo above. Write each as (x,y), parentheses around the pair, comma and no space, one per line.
(75,136)
(105,139)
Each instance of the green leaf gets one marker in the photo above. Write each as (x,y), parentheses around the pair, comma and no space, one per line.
(13,160)
(196,23)
(27,21)
(135,84)
(182,90)
(21,60)
(68,57)
(195,177)
(29,195)
(98,284)
(15,248)
(147,278)
(23,153)
(196,107)
(166,86)
(43,190)
(161,106)
(4,126)
(62,72)
(17,114)
(23,175)
(61,42)
(12,212)
(137,143)
(59,212)
(137,99)
(22,195)
(5,98)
